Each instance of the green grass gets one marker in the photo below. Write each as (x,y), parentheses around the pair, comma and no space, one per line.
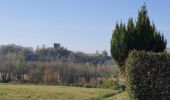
(120,96)
(43,92)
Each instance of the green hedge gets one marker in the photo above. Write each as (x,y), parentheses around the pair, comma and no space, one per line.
(148,75)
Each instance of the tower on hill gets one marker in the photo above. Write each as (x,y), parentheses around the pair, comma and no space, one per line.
(56,45)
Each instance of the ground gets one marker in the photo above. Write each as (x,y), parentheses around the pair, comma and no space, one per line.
(43,92)
(120,96)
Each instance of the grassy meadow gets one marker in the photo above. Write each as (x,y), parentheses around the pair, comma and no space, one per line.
(43,92)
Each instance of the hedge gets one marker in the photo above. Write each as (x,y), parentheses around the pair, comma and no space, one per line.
(148,75)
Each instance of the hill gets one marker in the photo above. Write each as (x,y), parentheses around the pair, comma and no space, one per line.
(55,53)
(60,53)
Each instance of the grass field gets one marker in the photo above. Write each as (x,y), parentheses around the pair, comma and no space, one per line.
(120,96)
(42,92)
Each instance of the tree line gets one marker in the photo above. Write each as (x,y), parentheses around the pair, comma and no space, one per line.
(54,66)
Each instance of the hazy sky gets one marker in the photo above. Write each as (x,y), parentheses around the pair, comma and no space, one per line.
(79,25)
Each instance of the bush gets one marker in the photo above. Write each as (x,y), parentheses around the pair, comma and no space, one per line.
(148,75)
(110,83)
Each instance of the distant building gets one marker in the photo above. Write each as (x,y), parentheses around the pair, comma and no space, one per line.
(56,45)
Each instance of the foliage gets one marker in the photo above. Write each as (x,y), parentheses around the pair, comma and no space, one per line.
(148,75)
(110,83)
(61,53)
(87,71)
(12,48)
(141,35)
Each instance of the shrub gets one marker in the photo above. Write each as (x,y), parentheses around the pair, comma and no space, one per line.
(148,75)
(110,83)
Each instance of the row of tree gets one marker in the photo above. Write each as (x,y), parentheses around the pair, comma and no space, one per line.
(15,66)
(55,53)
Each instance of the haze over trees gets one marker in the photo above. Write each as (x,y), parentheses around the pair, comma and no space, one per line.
(139,35)
(55,65)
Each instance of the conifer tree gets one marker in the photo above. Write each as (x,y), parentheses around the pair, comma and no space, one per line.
(141,35)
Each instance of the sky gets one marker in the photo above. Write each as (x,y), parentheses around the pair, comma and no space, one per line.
(79,25)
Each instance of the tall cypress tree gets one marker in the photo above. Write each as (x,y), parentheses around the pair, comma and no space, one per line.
(118,44)
(149,38)
(141,35)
